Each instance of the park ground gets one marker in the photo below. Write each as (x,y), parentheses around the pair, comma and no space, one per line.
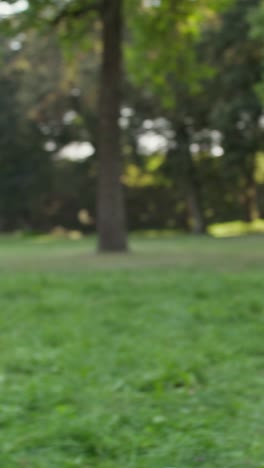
(152,359)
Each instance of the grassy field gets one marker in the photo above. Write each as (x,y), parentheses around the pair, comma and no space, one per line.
(153,359)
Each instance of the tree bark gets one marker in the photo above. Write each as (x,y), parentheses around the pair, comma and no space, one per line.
(197,221)
(193,197)
(251,202)
(111,225)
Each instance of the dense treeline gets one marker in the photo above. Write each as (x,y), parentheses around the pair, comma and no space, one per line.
(191,122)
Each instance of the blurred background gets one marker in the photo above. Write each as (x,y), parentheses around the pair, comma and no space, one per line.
(191,116)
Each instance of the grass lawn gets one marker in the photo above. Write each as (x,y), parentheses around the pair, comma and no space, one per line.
(153,359)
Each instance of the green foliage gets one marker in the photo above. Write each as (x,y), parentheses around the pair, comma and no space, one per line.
(146,366)
(259,169)
(163,47)
(75,31)
(148,175)
(256,18)
(236,111)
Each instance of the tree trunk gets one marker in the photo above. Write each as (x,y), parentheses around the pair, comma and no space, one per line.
(111,224)
(193,197)
(251,204)
(197,221)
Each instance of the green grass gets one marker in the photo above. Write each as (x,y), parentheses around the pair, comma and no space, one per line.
(153,359)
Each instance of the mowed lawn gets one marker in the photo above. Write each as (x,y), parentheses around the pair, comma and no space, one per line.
(153,359)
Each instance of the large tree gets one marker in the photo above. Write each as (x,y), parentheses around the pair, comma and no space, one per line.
(75,18)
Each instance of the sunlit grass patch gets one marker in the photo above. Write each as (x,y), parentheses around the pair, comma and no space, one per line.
(237,228)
